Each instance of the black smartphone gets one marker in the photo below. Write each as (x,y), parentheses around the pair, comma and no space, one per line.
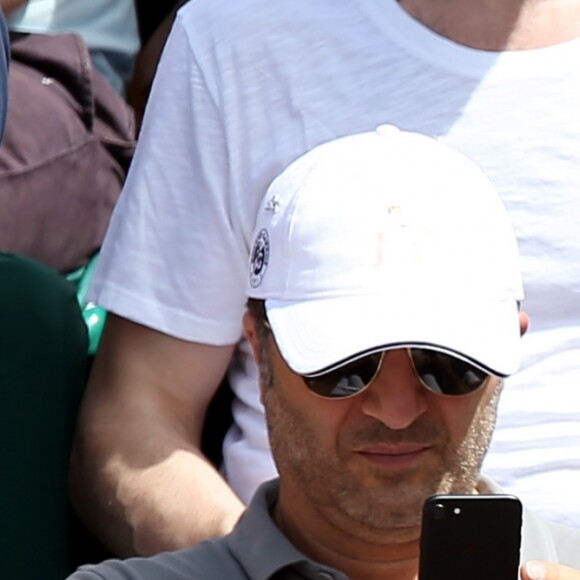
(470,537)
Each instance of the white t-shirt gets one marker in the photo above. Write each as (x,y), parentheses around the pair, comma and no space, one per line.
(244,88)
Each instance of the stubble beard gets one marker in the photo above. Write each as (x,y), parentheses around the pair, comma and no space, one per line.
(371,506)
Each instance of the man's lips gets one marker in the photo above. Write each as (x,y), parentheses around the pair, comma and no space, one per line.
(393,455)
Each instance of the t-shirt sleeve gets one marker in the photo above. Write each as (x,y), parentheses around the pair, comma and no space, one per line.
(174,258)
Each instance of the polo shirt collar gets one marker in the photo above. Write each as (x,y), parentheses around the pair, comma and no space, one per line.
(261,548)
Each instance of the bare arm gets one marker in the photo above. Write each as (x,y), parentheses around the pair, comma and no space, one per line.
(138,477)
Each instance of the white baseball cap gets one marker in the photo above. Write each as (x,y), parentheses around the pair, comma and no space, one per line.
(387,239)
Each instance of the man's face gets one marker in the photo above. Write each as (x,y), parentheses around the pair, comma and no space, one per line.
(367,463)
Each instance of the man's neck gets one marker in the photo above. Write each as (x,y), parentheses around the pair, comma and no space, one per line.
(394,558)
(498,25)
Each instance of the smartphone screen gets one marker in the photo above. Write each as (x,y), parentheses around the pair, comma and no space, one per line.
(470,537)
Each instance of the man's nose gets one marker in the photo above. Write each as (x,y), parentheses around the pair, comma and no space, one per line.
(396,396)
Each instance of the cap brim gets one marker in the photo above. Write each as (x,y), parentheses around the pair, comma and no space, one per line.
(317,334)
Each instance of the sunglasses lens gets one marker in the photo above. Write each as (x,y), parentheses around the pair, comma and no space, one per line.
(441,373)
(347,380)
(445,374)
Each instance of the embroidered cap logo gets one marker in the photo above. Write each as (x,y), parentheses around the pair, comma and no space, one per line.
(259,258)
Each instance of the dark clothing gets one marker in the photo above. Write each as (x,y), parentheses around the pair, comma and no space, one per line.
(68,143)
(150,15)
(43,367)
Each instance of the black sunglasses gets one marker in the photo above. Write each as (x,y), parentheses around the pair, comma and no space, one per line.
(439,372)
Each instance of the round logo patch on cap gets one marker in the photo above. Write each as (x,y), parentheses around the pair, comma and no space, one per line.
(259,258)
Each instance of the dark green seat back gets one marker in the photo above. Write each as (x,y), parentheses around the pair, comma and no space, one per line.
(43,366)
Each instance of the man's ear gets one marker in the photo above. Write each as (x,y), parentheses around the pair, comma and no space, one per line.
(251,332)
(524,323)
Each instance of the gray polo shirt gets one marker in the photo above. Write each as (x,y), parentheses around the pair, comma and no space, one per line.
(257,550)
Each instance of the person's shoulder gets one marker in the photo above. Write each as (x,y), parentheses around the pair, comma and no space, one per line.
(206,561)
(567,544)
(224,20)
(224,12)
(546,540)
